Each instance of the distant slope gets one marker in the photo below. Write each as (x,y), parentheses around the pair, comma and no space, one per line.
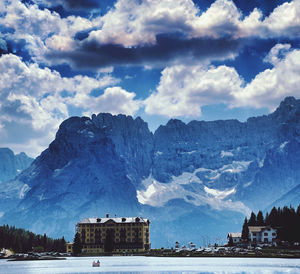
(292,198)
(11,165)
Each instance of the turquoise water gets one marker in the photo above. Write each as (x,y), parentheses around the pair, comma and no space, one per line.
(153,265)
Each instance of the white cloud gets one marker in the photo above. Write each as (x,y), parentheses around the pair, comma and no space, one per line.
(133,23)
(137,23)
(184,89)
(31,96)
(115,100)
(284,20)
(277,53)
(43,30)
(269,87)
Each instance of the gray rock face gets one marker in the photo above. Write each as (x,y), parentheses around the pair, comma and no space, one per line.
(208,173)
(11,164)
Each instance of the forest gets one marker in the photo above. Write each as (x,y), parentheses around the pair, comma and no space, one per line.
(285,220)
(22,241)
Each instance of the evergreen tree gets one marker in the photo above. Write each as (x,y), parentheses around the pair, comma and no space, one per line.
(20,240)
(252,220)
(230,241)
(45,242)
(245,231)
(77,244)
(267,219)
(297,225)
(274,217)
(260,219)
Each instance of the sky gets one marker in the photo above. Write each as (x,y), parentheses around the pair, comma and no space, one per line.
(157,59)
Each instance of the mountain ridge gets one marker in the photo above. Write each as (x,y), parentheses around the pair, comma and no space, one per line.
(115,164)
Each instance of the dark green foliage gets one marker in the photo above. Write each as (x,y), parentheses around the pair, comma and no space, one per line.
(286,221)
(21,240)
(245,231)
(252,220)
(77,244)
(230,241)
(260,219)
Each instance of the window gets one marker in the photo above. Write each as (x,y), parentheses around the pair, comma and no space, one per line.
(273,234)
(265,234)
(254,233)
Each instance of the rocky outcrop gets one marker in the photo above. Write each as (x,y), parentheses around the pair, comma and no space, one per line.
(11,164)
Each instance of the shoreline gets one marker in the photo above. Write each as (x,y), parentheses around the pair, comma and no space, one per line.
(36,259)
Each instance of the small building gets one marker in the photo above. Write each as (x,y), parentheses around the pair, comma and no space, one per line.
(191,246)
(262,234)
(69,247)
(177,245)
(122,234)
(236,237)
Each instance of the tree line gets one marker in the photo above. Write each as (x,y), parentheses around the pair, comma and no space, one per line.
(285,220)
(22,241)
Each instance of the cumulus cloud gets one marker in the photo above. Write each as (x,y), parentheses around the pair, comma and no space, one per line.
(115,100)
(42,29)
(183,89)
(69,4)
(269,87)
(168,49)
(32,96)
(144,32)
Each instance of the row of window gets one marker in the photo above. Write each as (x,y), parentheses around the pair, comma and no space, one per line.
(116,240)
(265,234)
(111,225)
(116,228)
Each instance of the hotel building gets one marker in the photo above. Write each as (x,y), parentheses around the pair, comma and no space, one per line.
(122,234)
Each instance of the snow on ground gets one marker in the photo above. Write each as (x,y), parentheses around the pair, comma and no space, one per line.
(141,264)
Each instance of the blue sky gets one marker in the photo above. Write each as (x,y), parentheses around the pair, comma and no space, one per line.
(157,59)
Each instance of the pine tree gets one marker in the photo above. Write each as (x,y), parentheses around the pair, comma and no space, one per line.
(245,231)
(267,219)
(230,241)
(260,219)
(252,220)
(274,217)
(77,244)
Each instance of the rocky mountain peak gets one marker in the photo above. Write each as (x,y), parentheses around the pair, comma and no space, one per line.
(11,164)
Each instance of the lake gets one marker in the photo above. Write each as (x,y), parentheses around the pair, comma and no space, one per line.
(137,264)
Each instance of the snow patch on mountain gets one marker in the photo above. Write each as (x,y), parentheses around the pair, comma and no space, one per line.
(25,188)
(219,194)
(191,189)
(235,167)
(226,154)
(282,146)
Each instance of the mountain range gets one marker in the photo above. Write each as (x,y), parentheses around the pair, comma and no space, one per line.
(195,181)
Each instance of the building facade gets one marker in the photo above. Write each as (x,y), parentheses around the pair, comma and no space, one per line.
(122,234)
(236,237)
(262,234)
(69,248)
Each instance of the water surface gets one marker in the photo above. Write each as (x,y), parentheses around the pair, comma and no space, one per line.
(134,264)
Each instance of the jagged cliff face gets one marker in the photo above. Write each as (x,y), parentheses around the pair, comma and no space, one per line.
(11,164)
(208,173)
